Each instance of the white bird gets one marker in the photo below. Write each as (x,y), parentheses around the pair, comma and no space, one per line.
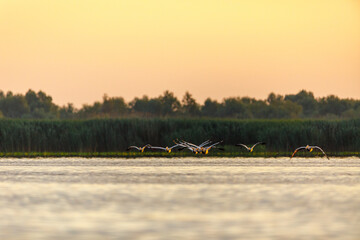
(140,149)
(309,149)
(166,149)
(248,148)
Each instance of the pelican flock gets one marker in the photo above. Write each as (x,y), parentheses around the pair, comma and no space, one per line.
(206,146)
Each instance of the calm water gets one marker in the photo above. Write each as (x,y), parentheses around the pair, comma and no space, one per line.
(188,198)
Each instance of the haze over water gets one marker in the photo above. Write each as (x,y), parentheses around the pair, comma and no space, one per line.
(188,198)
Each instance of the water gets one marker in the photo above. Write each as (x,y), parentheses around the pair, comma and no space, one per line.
(187,198)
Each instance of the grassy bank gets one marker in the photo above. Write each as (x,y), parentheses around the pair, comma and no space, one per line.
(115,135)
(168,155)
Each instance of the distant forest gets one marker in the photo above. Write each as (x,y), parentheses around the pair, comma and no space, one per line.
(303,105)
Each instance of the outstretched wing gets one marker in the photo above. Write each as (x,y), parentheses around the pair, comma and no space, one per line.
(133,147)
(212,145)
(184,145)
(321,151)
(177,145)
(240,144)
(189,144)
(205,143)
(160,148)
(261,143)
(296,150)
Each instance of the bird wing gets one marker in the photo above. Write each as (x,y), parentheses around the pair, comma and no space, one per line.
(189,144)
(321,151)
(296,150)
(240,144)
(177,145)
(160,148)
(262,143)
(185,145)
(214,144)
(205,143)
(134,147)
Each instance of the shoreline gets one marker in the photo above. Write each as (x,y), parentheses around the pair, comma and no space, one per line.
(169,155)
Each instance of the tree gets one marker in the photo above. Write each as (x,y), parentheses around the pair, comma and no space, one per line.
(258,109)
(233,107)
(41,105)
(113,107)
(90,111)
(190,106)
(14,106)
(170,104)
(67,112)
(333,105)
(307,101)
(210,108)
(140,105)
(280,108)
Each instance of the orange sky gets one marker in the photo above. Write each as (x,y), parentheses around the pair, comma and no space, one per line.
(76,51)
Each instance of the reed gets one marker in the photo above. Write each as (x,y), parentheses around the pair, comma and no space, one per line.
(115,135)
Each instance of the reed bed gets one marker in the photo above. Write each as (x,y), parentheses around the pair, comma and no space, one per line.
(115,135)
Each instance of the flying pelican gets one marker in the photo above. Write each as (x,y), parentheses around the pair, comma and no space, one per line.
(166,149)
(205,150)
(309,149)
(140,149)
(248,148)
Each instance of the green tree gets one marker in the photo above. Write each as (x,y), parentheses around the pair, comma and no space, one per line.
(210,108)
(90,111)
(113,107)
(233,107)
(307,101)
(278,107)
(67,112)
(14,106)
(333,106)
(170,104)
(41,105)
(190,106)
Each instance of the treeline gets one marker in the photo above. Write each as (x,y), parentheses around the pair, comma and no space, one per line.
(112,135)
(303,105)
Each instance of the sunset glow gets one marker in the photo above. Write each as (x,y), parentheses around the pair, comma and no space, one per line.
(76,51)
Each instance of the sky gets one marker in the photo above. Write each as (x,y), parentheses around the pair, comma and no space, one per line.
(77,51)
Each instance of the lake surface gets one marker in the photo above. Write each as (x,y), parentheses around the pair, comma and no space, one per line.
(180,198)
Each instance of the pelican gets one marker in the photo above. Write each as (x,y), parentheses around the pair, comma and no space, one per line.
(166,149)
(309,149)
(140,149)
(248,148)
(205,150)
